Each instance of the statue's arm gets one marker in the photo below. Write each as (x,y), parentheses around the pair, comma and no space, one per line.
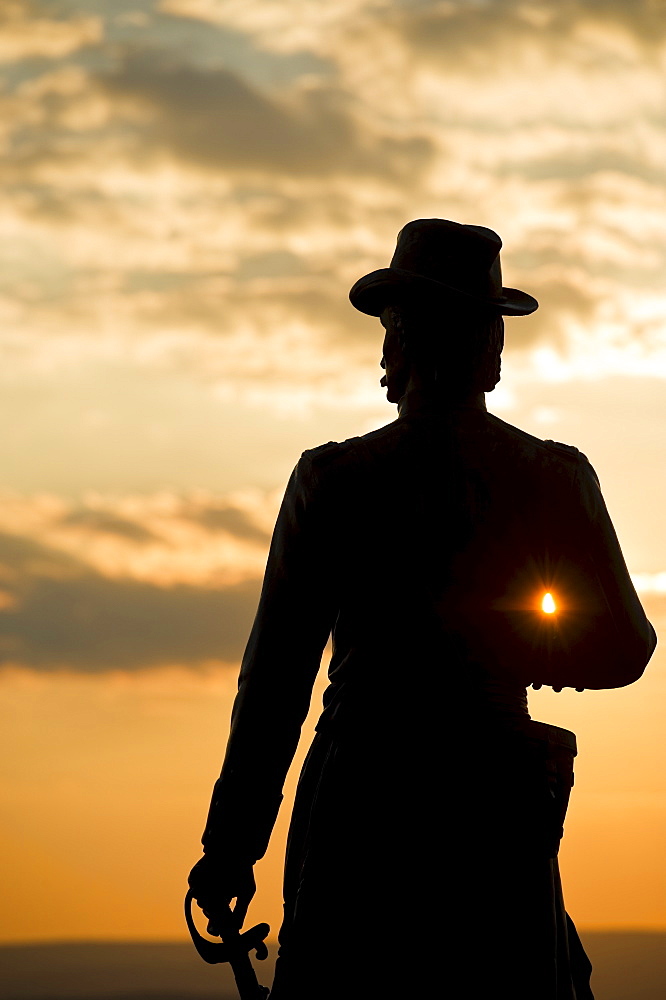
(620,640)
(282,658)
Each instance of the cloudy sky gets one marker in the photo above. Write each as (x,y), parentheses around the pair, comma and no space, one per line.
(190,187)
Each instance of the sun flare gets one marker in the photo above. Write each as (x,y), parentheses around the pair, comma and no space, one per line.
(548,604)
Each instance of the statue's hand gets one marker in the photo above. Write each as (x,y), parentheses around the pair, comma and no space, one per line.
(215,881)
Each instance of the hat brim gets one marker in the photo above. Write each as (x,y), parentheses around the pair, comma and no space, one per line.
(394,286)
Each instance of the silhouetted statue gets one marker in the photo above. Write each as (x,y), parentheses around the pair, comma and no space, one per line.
(422,854)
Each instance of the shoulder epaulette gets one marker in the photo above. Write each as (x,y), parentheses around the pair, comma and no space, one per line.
(321,450)
(563,449)
(323,458)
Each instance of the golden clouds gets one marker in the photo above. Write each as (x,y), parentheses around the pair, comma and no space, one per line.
(179,171)
(196,193)
(649,583)
(215,119)
(189,200)
(286,26)
(163,539)
(189,190)
(27,31)
(130,583)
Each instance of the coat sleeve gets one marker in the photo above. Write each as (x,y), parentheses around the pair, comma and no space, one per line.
(281,661)
(617,642)
(600,636)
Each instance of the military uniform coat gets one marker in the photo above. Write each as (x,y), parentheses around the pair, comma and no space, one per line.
(423,844)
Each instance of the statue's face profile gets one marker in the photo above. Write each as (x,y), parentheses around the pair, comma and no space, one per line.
(394,360)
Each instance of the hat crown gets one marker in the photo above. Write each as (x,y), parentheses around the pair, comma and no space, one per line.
(466,257)
(442,261)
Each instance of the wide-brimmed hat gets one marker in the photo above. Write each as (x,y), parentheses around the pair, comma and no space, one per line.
(439,260)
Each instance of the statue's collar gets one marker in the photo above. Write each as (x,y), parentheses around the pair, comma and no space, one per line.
(418,405)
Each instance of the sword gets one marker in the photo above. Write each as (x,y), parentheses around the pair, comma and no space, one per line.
(235,949)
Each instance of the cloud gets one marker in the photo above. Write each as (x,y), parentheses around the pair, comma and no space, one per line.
(26,31)
(217,120)
(230,519)
(85,621)
(130,583)
(649,583)
(105,523)
(174,208)
(291,25)
(560,303)
(472,34)
(162,539)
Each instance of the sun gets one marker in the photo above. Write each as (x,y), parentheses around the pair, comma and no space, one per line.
(548,604)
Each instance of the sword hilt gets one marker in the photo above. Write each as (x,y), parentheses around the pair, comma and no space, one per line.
(235,950)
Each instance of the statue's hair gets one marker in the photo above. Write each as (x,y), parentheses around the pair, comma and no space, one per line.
(460,350)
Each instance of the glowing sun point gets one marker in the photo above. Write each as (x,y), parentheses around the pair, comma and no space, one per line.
(548,604)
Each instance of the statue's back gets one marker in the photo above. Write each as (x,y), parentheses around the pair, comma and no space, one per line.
(430,808)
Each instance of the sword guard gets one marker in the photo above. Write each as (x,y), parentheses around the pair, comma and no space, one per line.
(214,953)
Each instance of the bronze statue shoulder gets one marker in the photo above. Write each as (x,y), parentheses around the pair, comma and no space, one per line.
(564,449)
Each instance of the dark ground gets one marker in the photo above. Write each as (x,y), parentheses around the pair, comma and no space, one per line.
(628,966)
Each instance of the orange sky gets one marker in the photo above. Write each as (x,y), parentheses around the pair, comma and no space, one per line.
(190,187)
